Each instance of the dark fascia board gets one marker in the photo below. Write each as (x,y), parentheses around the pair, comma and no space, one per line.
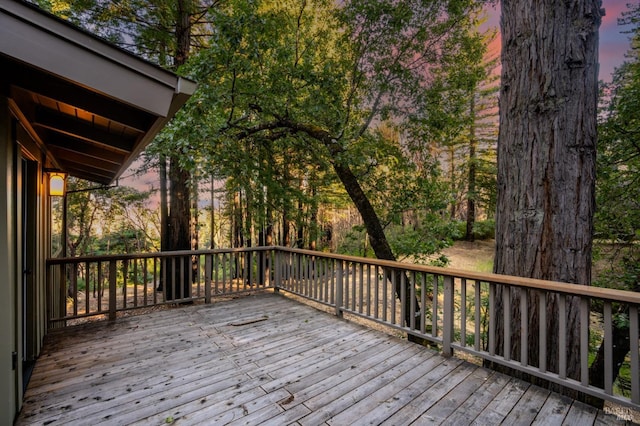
(50,44)
(35,37)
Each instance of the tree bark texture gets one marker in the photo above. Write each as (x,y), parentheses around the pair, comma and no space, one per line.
(179,231)
(546,159)
(178,224)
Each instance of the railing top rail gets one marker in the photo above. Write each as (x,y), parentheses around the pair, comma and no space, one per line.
(159,254)
(553,286)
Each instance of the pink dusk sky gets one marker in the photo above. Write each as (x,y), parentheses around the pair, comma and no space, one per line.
(613,43)
(613,46)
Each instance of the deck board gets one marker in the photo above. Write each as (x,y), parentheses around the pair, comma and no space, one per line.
(265,359)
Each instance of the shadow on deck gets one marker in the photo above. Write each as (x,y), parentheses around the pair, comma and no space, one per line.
(266,359)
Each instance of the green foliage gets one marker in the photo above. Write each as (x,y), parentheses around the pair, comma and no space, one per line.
(482,230)
(108,220)
(288,89)
(617,217)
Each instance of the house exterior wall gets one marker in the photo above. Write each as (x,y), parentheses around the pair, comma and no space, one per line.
(9,397)
(24,246)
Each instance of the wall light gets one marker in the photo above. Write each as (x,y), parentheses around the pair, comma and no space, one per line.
(57,184)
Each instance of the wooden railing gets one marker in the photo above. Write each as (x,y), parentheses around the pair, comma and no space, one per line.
(456,310)
(81,287)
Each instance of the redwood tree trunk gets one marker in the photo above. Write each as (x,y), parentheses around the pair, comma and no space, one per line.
(546,158)
(178,224)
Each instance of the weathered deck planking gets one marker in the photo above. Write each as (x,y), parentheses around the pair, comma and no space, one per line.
(265,359)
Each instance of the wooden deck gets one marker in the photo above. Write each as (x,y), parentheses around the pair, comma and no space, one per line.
(266,359)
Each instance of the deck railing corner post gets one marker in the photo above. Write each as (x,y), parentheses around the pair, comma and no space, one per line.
(447,318)
(113,272)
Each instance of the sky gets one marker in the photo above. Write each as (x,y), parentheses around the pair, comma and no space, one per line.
(613,46)
(613,43)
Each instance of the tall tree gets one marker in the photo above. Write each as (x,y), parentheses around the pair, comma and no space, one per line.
(546,160)
(165,32)
(618,192)
(316,77)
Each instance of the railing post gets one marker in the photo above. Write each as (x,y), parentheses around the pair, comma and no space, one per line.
(339,289)
(113,272)
(208,265)
(635,356)
(447,317)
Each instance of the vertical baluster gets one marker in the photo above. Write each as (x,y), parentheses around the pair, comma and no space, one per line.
(87,288)
(98,288)
(584,341)
(423,302)
(195,263)
(208,269)
(333,271)
(412,298)
(246,261)
(320,278)
(392,296)
(299,273)
(294,273)
(492,319)
(216,274)
(163,279)
(135,282)
(277,266)
(368,289)
(608,348)
(447,315)
(562,336)
(172,278)
(145,279)
(477,289)
(264,279)
(385,290)
(113,271)
(376,291)
(185,263)
(309,268)
(434,311)
(542,345)
(403,296)
(314,277)
(360,286)
(354,282)
(328,279)
(306,260)
(339,287)
(524,326)
(125,273)
(224,272)
(155,280)
(506,315)
(463,312)
(74,284)
(635,356)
